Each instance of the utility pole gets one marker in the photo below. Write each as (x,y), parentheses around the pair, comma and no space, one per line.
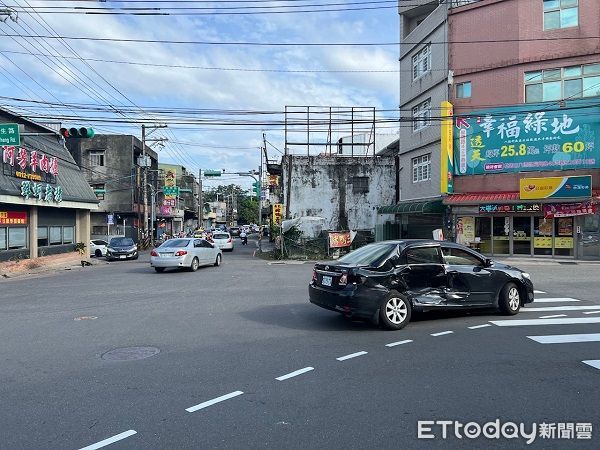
(145,162)
(260,178)
(200,201)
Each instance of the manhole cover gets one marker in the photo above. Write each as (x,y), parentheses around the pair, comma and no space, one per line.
(130,353)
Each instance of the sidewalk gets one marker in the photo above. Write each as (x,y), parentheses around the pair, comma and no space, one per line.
(44,264)
(516,261)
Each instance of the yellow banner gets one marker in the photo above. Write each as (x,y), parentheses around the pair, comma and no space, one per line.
(542,242)
(563,242)
(277,213)
(447,149)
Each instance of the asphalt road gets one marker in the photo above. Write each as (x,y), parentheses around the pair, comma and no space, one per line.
(233,330)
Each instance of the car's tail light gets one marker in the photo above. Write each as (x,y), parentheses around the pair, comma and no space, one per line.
(181,252)
(229,241)
(153,253)
(314,278)
(343,279)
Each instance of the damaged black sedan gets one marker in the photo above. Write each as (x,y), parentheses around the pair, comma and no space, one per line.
(386,281)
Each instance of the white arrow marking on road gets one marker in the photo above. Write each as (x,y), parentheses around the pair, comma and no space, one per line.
(592,312)
(558,308)
(566,338)
(213,401)
(294,374)
(393,344)
(595,363)
(110,440)
(569,321)
(555,300)
(553,316)
(353,355)
(479,326)
(538,292)
(442,333)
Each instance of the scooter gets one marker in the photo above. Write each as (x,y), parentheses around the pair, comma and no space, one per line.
(244,240)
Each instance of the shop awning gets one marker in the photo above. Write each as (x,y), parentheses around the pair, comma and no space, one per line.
(415,207)
(476,198)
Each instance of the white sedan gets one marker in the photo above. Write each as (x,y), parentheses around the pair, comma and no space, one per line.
(98,247)
(223,240)
(188,253)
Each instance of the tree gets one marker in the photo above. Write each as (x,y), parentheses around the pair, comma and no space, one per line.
(247,205)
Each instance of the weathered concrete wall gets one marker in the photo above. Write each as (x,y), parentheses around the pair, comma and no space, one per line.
(324,186)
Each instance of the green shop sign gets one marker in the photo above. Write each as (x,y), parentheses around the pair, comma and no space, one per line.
(528,138)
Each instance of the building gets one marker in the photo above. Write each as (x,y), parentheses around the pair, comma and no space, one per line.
(45,200)
(177,211)
(543,61)
(111,165)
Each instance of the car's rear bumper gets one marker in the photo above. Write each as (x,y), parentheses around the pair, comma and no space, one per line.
(351,301)
(166,262)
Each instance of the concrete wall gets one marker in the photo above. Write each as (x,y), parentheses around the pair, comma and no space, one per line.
(322,186)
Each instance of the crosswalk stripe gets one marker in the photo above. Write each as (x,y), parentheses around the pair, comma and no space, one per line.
(595,363)
(553,316)
(559,308)
(566,338)
(563,321)
(555,300)
(538,292)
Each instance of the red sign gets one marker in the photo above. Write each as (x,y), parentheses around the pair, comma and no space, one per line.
(339,239)
(33,160)
(165,210)
(569,209)
(13,218)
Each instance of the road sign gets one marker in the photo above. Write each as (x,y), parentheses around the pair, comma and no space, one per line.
(110,219)
(9,134)
(171,191)
(212,173)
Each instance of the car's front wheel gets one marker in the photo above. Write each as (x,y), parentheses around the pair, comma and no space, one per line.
(195,265)
(395,311)
(218,261)
(510,299)
(98,253)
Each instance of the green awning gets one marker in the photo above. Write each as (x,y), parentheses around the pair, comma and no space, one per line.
(422,207)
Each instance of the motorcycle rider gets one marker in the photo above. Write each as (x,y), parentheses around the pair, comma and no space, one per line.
(243,237)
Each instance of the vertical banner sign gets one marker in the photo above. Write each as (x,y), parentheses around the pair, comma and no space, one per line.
(277,213)
(170,183)
(447,149)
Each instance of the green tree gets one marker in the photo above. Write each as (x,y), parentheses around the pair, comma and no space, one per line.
(247,205)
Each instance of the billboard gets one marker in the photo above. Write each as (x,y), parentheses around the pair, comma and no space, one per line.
(555,187)
(528,138)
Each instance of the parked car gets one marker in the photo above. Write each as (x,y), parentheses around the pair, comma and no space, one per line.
(187,253)
(121,248)
(223,240)
(386,281)
(98,247)
(234,231)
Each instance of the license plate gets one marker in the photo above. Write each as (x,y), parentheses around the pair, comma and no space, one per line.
(122,256)
(166,254)
(326,281)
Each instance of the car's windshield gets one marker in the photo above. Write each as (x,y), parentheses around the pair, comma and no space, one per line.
(121,242)
(176,243)
(369,255)
(220,236)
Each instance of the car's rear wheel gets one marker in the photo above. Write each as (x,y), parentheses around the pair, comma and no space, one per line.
(98,253)
(218,261)
(510,299)
(195,265)
(395,311)
(159,269)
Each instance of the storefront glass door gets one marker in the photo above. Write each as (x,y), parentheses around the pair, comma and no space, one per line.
(501,235)
(542,236)
(563,236)
(483,231)
(522,235)
(589,242)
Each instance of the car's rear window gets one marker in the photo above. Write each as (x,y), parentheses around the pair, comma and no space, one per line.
(99,242)
(371,255)
(176,243)
(220,236)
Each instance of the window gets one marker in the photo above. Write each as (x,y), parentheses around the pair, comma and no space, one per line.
(360,185)
(463,90)
(421,115)
(421,168)
(68,233)
(560,14)
(55,235)
(97,158)
(3,239)
(565,83)
(458,257)
(42,236)
(17,237)
(99,190)
(421,62)
(422,255)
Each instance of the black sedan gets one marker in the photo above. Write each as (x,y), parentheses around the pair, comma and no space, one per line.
(386,281)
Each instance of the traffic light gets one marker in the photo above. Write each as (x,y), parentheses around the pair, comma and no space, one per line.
(82,132)
(256,189)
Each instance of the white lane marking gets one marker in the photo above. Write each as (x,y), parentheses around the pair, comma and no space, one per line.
(595,363)
(566,338)
(393,344)
(555,300)
(479,326)
(442,333)
(353,355)
(559,308)
(295,373)
(213,401)
(524,322)
(110,440)
(553,316)
(538,292)
(592,312)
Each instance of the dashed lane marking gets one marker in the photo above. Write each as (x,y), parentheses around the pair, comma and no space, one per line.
(566,338)
(555,300)
(294,374)
(553,316)
(110,440)
(442,333)
(592,312)
(393,344)
(353,355)
(479,326)
(538,292)
(213,401)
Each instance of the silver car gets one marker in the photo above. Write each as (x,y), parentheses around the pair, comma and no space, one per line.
(189,253)
(223,240)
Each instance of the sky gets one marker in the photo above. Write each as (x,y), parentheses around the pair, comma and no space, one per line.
(57,79)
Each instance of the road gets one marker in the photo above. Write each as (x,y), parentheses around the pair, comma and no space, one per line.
(236,357)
